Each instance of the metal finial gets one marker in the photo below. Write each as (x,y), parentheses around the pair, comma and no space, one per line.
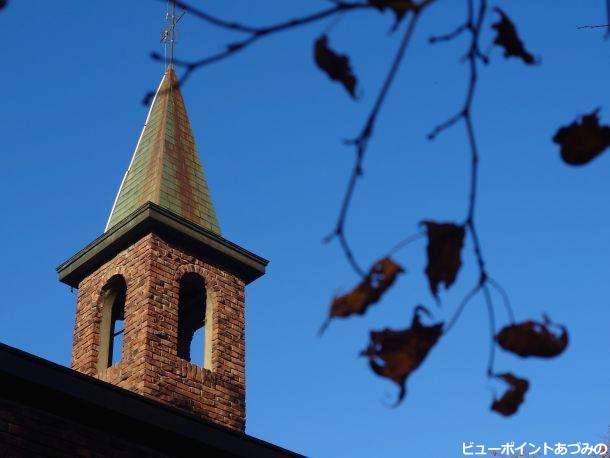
(169,33)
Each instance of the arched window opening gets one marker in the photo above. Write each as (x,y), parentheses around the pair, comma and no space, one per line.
(191,319)
(112,324)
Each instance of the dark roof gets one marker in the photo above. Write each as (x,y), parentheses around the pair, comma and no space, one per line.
(44,385)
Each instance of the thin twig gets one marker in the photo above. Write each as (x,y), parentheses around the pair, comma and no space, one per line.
(461,307)
(349,254)
(196,12)
(403,243)
(362,140)
(445,125)
(449,36)
(492,330)
(505,298)
(593,26)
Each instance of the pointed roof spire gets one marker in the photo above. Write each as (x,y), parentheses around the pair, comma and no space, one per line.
(165,168)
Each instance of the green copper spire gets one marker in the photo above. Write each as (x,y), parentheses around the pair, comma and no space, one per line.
(165,168)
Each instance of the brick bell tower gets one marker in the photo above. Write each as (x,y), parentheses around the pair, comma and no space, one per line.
(162,273)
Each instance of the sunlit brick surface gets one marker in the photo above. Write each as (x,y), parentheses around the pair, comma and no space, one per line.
(150,366)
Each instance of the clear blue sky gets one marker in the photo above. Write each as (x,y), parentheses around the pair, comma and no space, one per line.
(269,126)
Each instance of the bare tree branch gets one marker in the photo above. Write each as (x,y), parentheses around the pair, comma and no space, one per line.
(474,24)
(477,11)
(339,6)
(255,33)
(361,144)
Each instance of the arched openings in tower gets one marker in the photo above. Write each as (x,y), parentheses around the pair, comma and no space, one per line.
(193,340)
(111,326)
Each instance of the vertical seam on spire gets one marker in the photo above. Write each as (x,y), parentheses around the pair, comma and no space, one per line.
(187,198)
(162,134)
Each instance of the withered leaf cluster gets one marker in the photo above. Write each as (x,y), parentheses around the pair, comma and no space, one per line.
(532,338)
(445,241)
(508,38)
(582,142)
(336,66)
(509,403)
(369,291)
(396,354)
(399,7)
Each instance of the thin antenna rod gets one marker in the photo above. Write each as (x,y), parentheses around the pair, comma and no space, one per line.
(172,34)
(164,36)
(169,33)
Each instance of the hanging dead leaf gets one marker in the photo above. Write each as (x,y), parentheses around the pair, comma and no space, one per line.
(396,354)
(445,241)
(508,38)
(336,66)
(532,338)
(381,277)
(399,7)
(582,142)
(509,403)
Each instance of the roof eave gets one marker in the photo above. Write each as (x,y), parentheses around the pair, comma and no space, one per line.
(30,380)
(153,218)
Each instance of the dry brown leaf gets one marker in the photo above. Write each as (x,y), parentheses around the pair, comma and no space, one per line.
(381,277)
(514,396)
(532,338)
(336,66)
(399,7)
(396,354)
(582,142)
(445,241)
(509,40)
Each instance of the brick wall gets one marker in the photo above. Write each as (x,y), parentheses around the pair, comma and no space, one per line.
(150,366)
